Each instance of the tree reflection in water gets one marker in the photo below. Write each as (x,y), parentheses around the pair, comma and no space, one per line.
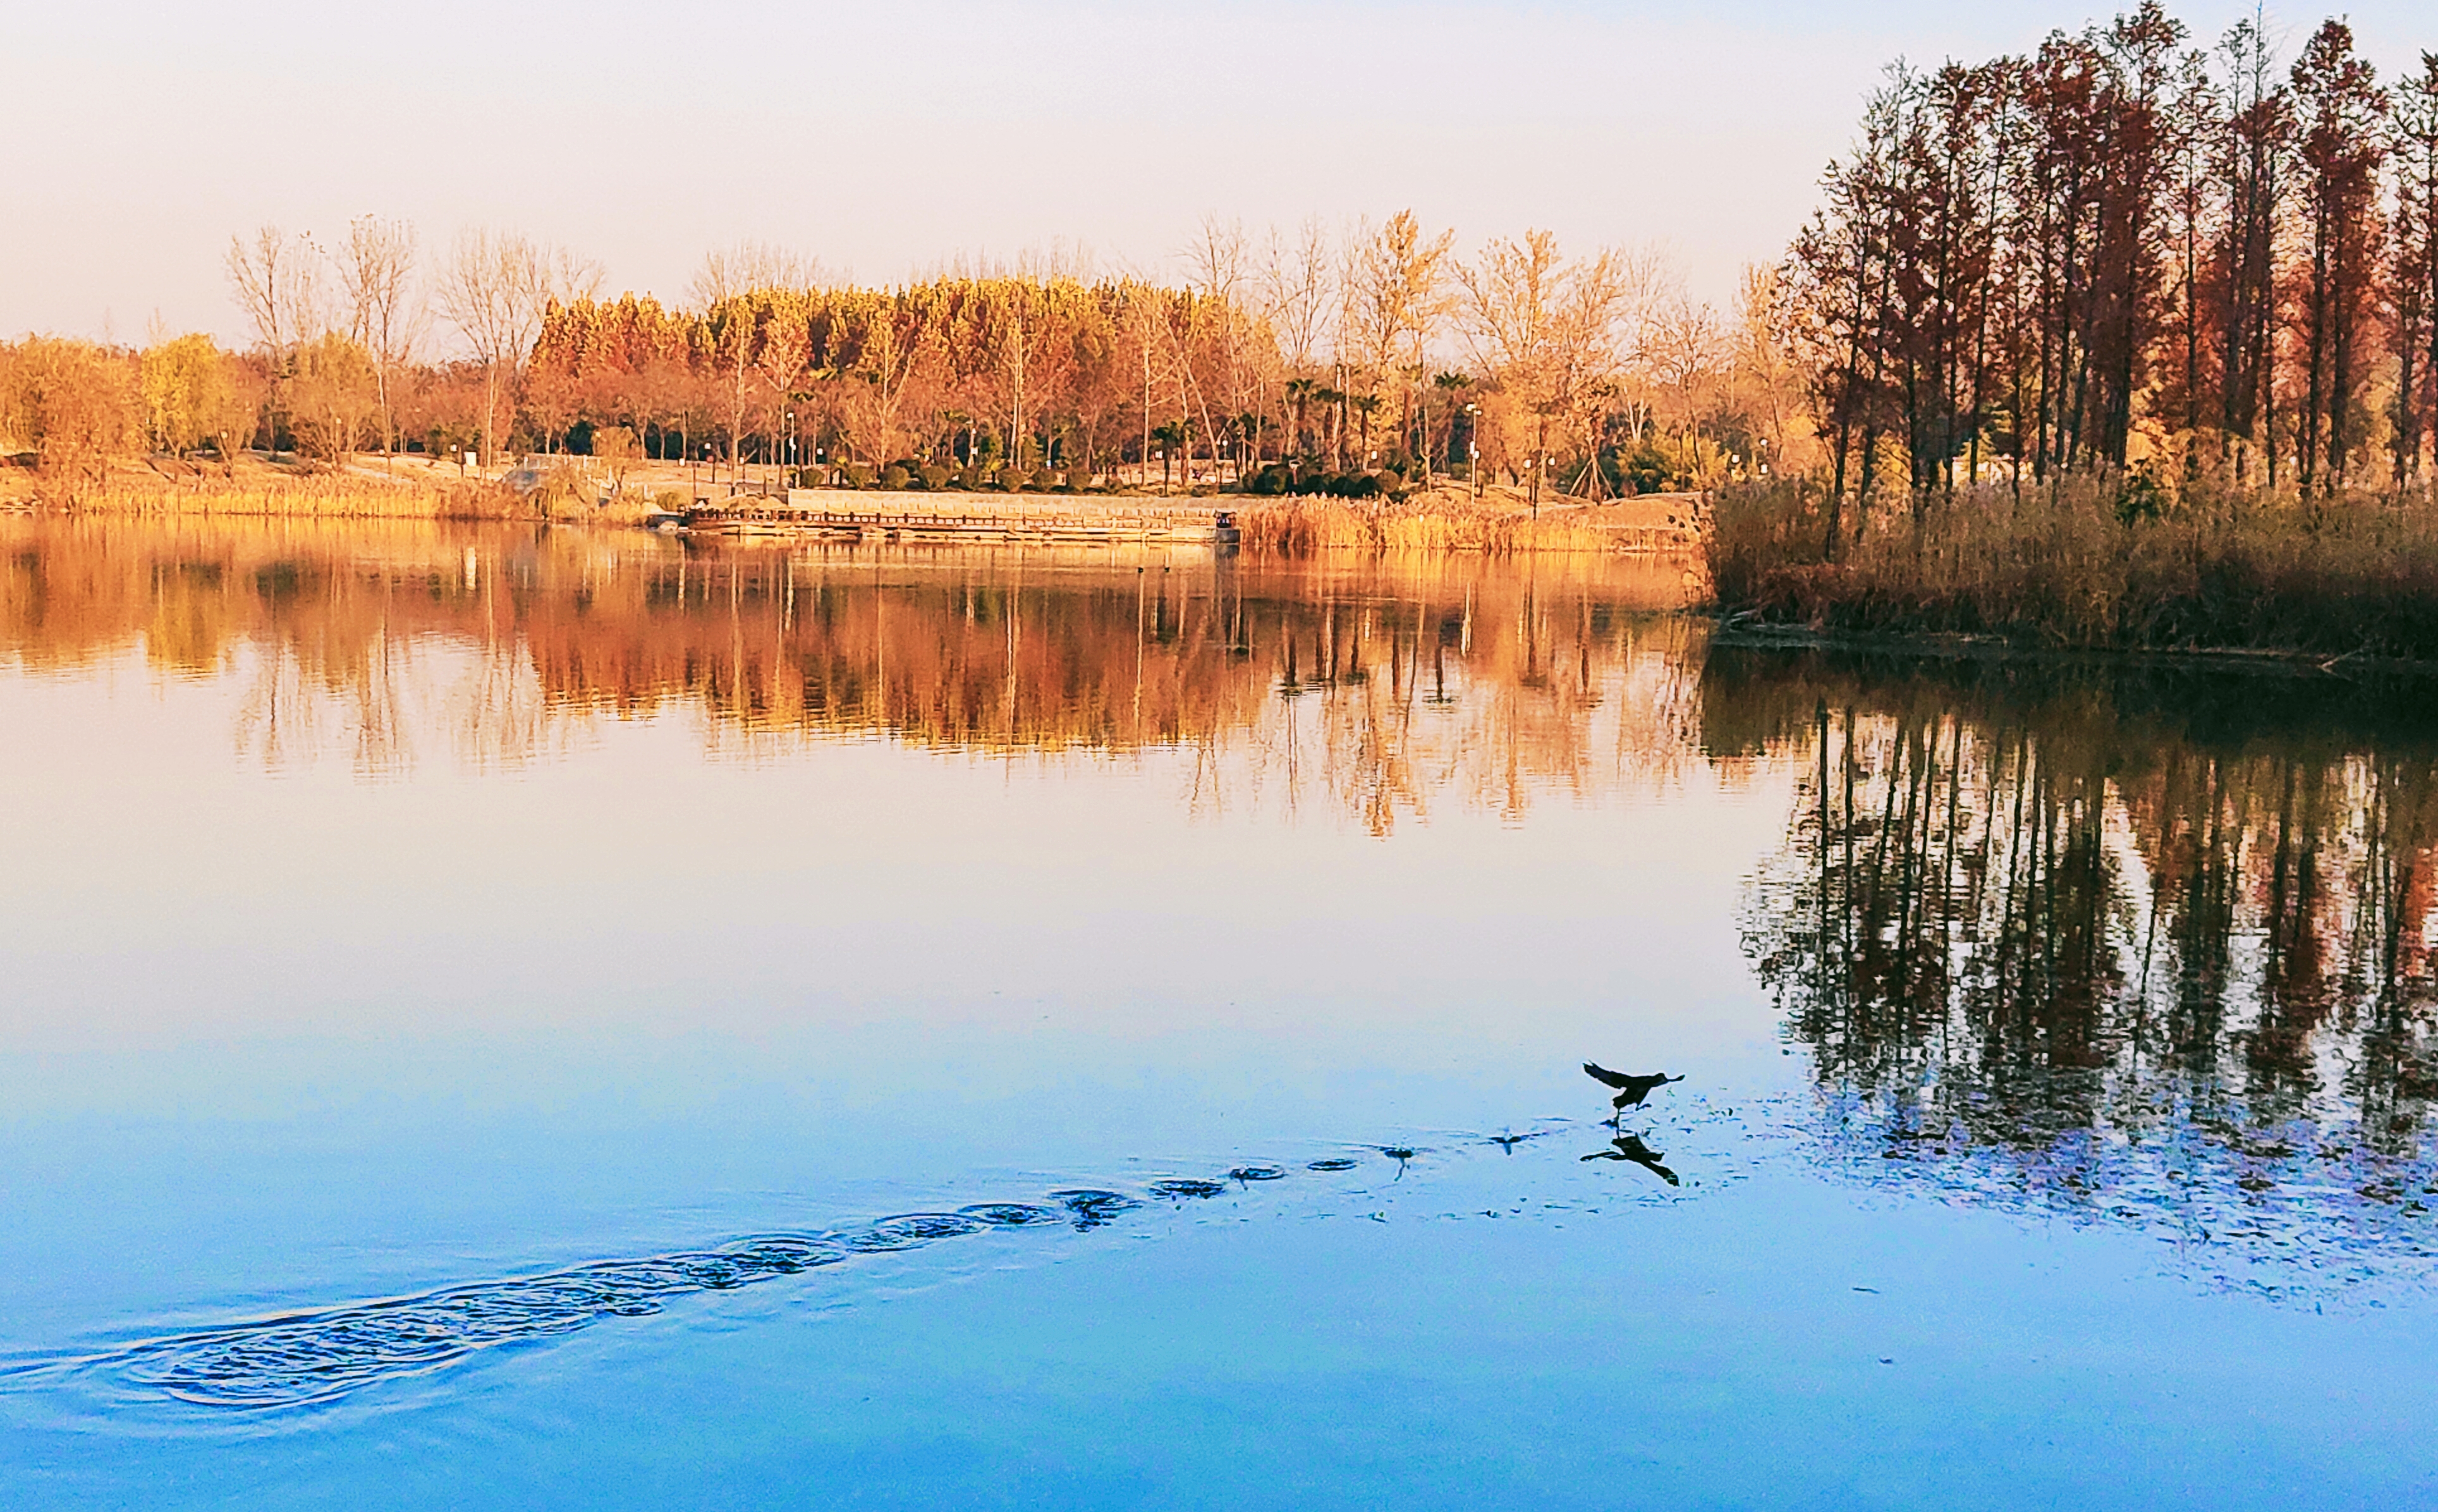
(2110,947)
(1367,689)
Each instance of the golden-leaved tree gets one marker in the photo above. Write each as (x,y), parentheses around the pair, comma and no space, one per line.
(334,394)
(196,395)
(1550,334)
(73,404)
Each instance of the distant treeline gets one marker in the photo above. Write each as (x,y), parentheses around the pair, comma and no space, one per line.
(1373,357)
(1384,355)
(2122,252)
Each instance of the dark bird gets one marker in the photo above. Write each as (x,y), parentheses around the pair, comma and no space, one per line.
(1630,1147)
(1630,1090)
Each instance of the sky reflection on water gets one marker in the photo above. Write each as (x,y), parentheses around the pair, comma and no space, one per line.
(438,956)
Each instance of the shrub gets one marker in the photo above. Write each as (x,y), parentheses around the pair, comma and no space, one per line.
(934,477)
(1645,470)
(893,476)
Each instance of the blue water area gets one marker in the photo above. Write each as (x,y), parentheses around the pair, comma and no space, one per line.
(490,1018)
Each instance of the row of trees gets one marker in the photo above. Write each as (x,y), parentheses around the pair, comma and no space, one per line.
(2125,251)
(77,407)
(356,318)
(336,364)
(1384,349)
(1315,353)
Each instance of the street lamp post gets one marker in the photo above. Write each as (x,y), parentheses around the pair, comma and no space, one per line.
(1472,447)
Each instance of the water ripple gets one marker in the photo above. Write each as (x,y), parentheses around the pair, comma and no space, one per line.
(304,1359)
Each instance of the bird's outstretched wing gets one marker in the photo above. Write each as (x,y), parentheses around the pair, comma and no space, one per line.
(1603,1073)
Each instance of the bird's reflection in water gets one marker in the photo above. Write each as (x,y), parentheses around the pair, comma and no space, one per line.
(1629,1147)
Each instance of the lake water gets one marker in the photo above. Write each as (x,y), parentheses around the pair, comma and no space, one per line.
(498,1018)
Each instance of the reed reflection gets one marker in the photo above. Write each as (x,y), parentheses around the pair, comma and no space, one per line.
(1375,690)
(2154,955)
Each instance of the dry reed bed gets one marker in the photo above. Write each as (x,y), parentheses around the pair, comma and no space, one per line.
(1298,526)
(2088,564)
(278,493)
(326,495)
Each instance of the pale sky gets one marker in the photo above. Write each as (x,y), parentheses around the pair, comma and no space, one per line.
(888,136)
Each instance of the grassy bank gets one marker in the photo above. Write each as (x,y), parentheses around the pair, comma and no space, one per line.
(2089,563)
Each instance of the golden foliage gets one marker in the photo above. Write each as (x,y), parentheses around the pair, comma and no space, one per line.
(188,397)
(73,404)
(333,395)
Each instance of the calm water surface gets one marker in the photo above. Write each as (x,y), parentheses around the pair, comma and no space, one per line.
(498,1018)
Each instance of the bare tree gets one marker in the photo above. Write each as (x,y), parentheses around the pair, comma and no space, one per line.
(258,275)
(749,266)
(1218,259)
(386,305)
(496,289)
(1685,350)
(1763,361)
(278,282)
(1298,288)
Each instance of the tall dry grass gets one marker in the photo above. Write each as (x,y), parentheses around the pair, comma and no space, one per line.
(257,488)
(1301,526)
(263,490)
(2094,562)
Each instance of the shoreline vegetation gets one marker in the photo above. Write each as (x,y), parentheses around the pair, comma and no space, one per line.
(2127,345)
(2087,564)
(579,491)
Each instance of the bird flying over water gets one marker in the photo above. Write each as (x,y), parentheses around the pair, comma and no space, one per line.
(1630,1090)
